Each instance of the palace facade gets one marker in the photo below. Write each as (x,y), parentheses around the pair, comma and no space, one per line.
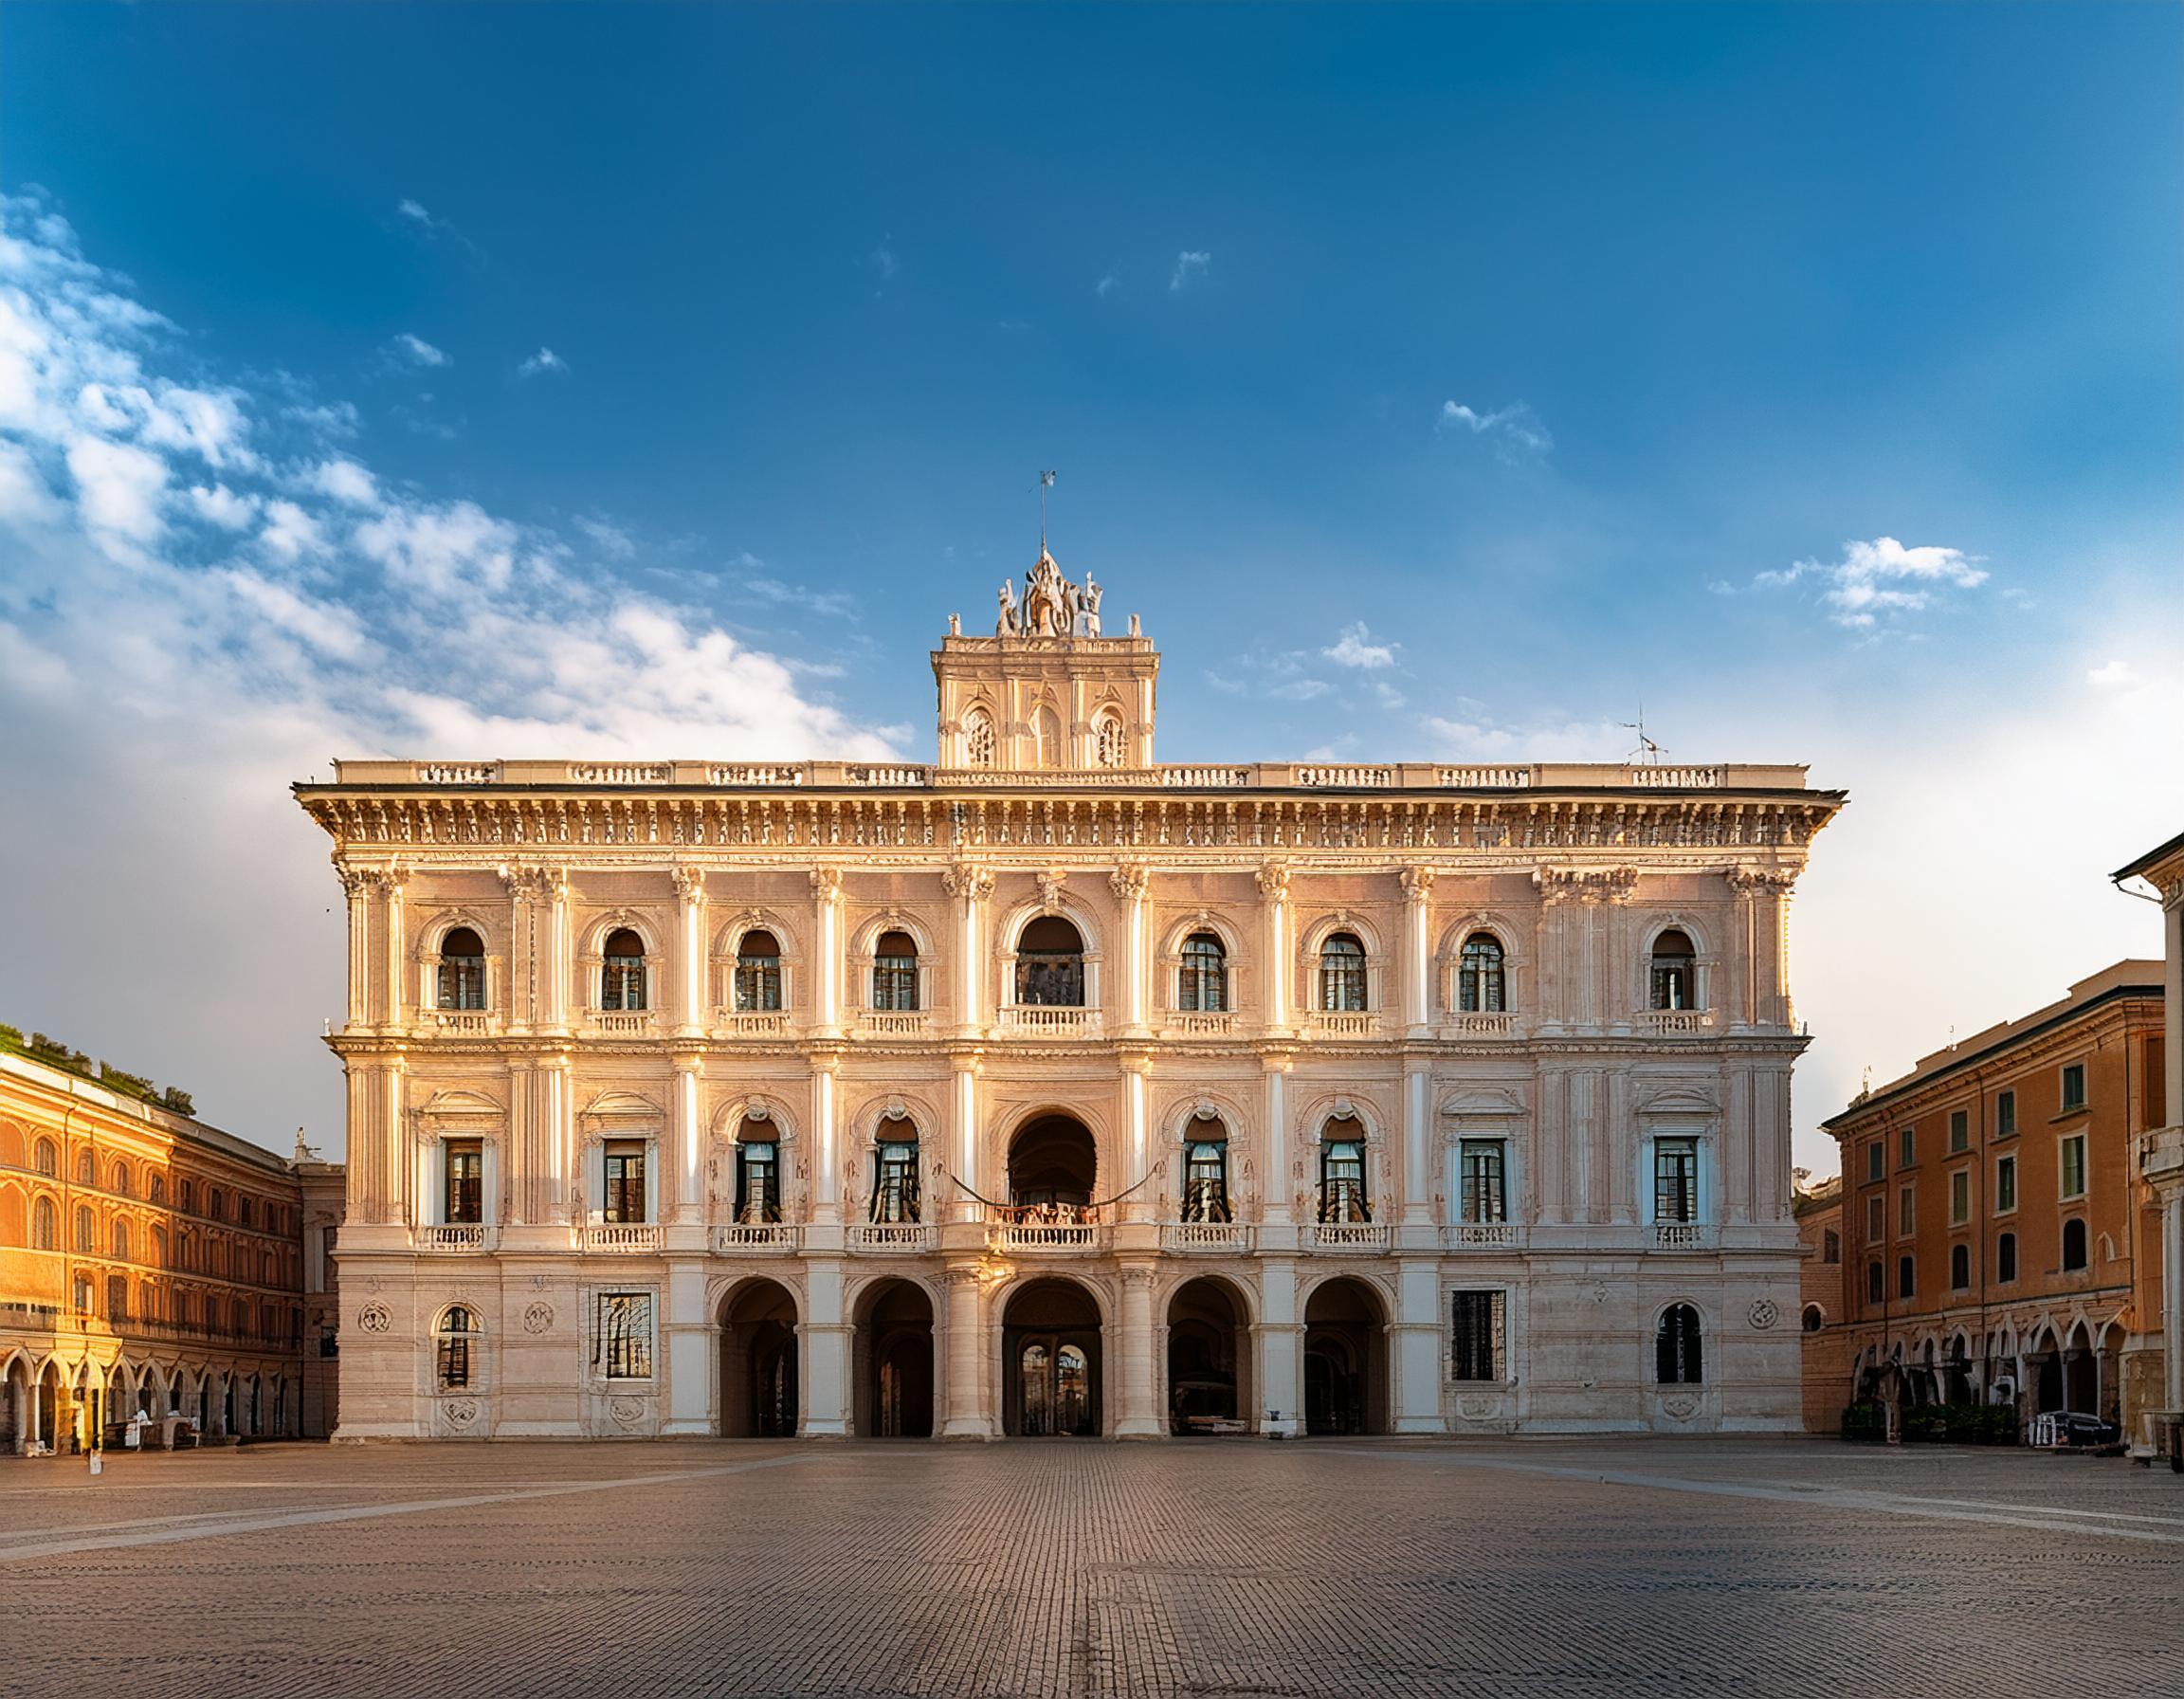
(1052,1089)
(149,1264)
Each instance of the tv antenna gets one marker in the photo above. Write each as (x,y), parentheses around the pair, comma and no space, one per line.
(1647,751)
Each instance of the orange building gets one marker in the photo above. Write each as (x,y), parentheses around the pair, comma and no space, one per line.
(149,1263)
(1818,1208)
(1998,1239)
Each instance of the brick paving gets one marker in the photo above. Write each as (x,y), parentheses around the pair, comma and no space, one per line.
(1074,1569)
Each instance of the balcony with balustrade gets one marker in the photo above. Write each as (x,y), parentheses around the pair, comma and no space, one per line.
(621,1238)
(1673,1023)
(454,1238)
(1683,1236)
(757,1238)
(1047,1020)
(1047,1230)
(1206,1023)
(894,1023)
(892,1238)
(752,1023)
(1342,1023)
(1206,1238)
(1482,1235)
(1352,1238)
(459,1023)
(1498,1024)
(621,1023)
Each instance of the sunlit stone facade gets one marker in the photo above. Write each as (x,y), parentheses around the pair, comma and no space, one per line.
(1052,1089)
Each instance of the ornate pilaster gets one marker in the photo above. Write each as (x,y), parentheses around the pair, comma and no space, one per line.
(1417,951)
(1130,882)
(971,886)
(1273,881)
(826,953)
(689,950)
(1759,984)
(967,1417)
(1138,1421)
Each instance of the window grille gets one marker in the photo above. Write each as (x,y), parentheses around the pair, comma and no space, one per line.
(978,737)
(1675,1180)
(624,1347)
(624,1201)
(1479,988)
(1205,1180)
(622,973)
(1342,1182)
(758,973)
(757,1183)
(1476,1347)
(1110,750)
(895,1181)
(1342,973)
(1203,987)
(1482,1196)
(1677,1360)
(464,1196)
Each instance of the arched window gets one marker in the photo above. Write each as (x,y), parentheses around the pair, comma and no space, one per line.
(2074,1244)
(895,972)
(122,1179)
(1342,972)
(2006,1257)
(1046,738)
(1830,1246)
(1342,1195)
(757,972)
(622,975)
(978,738)
(1050,964)
(49,1158)
(120,1240)
(1677,1359)
(1481,988)
(895,1173)
(85,1240)
(158,1188)
(463,970)
(45,1226)
(86,1171)
(757,1181)
(1206,1173)
(117,1297)
(451,1347)
(1202,985)
(1108,747)
(1960,1268)
(1815,1318)
(159,1248)
(1674,973)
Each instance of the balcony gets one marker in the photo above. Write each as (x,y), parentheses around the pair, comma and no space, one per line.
(894,1238)
(1042,1020)
(752,1023)
(1482,1235)
(1481,1026)
(1047,1238)
(757,1238)
(1681,1235)
(1360,1238)
(1342,1023)
(623,1023)
(618,1238)
(1206,1238)
(1673,1023)
(895,1023)
(1195,1023)
(459,1023)
(454,1238)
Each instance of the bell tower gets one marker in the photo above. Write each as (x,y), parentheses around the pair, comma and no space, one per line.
(1050,691)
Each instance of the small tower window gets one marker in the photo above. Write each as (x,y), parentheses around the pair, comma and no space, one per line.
(622,977)
(978,738)
(1108,747)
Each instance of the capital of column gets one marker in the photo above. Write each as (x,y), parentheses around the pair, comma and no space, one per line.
(1130,881)
(1417,885)
(689,885)
(827,883)
(1273,881)
(967,880)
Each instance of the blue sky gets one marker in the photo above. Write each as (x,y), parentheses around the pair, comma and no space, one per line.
(617,378)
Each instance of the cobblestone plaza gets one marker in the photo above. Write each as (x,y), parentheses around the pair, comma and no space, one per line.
(1577,1567)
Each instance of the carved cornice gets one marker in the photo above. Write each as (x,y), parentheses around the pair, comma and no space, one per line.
(1760,882)
(1585,885)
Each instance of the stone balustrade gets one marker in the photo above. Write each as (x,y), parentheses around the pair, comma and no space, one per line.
(1038,1020)
(625,1238)
(454,1237)
(1366,1237)
(900,1239)
(1206,1238)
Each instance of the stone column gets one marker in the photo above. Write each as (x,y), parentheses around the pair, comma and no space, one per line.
(1130,883)
(1137,1070)
(557,946)
(826,953)
(689,1350)
(971,886)
(357,885)
(1416,952)
(1416,1347)
(1417,1141)
(1281,1335)
(393,943)
(689,952)
(1274,1184)
(826,1156)
(1137,1419)
(1274,891)
(687,1132)
(556,1186)
(825,1337)
(963,1139)
(967,1417)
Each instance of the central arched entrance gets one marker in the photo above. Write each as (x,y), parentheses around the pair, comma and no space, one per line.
(1053,1165)
(1209,1360)
(1345,1358)
(1050,1360)
(894,1362)
(758,1391)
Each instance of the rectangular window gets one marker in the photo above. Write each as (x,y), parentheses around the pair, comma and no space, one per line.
(2074,1165)
(2006,1257)
(1959,1130)
(895,1187)
(625,1182)
(2004,1184)
(1906,1277)
(1906,1211)
(1675,1180)
(2074,1087)
(1483,1196)
(1205,1180)
(1475,1345)
(2006,1115)
(1876,1161)
(1876,1218)
(623,1349)
(1342,1182)
(757,1184)
(1830,1246)
(894,982)
(1907,1147)
(1961,1197)
(464,1192)
(1875,1293)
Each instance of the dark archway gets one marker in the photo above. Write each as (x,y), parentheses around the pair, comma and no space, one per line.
(894,1362)
(759,1384)
(1210,1389)
(1345,1359)
(1052,1163)
(1050,1369)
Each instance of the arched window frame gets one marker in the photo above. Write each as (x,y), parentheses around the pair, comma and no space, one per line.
(1045,734)
(1345,1198)
(897,1181)
(1702,962)
(1202,974)
(2074,1225)
(621,988)
(1679,1346)
(981,736)
(865,959)
(44,1223)
(1454,967)
(1010,932)
(1311,950)
(1208,1193)
(727,948)
(45,1158)
(431,957)
(738,1122)
(457,1336)
(1110,738)
(1812,1318)
(757,982)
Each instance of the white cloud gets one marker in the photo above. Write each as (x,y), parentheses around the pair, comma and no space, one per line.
(609,539)
(1549,737)
(1353,649)
(1390,697)
(1514,431)
(415,350)
(829,603)
(345,481)
(1190,264)
(23,494)
(2114,675)
(120,489)
(444,552)
(414,212)
(222,506)
(882,261)
(290,532)
(1301,689)
(1882,579)
(545,360)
